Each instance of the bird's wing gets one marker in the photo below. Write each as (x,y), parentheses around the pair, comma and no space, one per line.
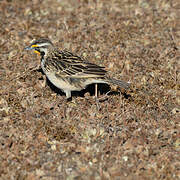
(69,65)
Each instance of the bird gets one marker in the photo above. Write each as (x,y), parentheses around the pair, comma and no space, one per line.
(68,71)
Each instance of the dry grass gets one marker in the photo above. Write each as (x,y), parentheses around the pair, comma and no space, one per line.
(123,137)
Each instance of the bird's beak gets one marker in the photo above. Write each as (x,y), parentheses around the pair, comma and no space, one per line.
(31,47)
(28,48)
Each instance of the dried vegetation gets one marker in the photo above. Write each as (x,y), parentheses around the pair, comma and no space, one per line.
(132,136)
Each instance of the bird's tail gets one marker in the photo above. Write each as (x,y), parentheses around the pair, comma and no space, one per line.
(120,83)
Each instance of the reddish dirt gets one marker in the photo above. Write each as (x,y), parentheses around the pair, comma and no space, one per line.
(123,136)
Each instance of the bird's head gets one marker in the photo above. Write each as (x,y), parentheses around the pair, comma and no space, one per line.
(40,46)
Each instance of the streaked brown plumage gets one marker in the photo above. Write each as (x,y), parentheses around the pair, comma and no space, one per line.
(68,71)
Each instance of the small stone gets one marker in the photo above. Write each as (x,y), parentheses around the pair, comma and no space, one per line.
(125,158)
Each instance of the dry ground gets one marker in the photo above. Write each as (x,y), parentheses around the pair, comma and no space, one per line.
(130,136)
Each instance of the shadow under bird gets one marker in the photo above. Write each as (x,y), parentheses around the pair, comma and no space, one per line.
(68,71)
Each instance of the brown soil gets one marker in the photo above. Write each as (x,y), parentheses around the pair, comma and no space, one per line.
(132,135)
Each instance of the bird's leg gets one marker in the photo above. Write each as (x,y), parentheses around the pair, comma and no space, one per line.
(68,95)
(96,90)
(96,96)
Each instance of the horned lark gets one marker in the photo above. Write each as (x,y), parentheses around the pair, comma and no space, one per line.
(68,71)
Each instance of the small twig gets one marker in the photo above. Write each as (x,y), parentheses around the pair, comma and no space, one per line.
(66,26)
(25,73)
(97,103)
(172,38)
(104,97)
